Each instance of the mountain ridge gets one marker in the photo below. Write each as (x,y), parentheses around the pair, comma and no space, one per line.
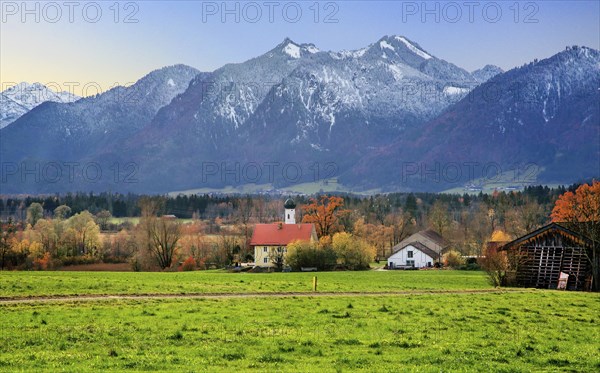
(365,111)
(21,98)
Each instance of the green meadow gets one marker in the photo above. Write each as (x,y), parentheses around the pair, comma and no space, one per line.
(23,284)
(435,326)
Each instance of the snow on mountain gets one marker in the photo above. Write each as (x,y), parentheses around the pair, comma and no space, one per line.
(414,49)
(455,90)
(486,73)
(365,109)
(74,131)
(543,116)
(21,98)
(292,50)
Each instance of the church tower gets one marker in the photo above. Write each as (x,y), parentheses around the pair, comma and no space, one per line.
(290,211)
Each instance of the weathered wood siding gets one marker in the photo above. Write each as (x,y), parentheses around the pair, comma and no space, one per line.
(544,257)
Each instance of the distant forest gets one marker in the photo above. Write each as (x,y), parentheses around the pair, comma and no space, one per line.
(211,206)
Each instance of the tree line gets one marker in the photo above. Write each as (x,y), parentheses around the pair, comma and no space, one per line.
(49,231)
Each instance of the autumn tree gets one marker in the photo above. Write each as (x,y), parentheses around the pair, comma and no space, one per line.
(47,236)
(310,254)
(62,212)
(352,252)
(83,233)
(35,212)
(580,211)
(324,213)
(7,233)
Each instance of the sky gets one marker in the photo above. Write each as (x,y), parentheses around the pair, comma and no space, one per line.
(90,46)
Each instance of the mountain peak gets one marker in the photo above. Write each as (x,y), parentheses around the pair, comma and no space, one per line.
(23,97)
(486,73)
(287,41)
(296,50)
(398,42)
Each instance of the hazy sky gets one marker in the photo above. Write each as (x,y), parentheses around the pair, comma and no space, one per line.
(98,44)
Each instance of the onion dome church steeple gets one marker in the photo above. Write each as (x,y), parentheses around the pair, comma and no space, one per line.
(290,211)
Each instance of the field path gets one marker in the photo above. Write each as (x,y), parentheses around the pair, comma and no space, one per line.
(95,297)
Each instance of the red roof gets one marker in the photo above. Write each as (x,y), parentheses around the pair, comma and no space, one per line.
(279,234)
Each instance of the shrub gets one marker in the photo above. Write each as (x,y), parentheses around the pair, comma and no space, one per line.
(453,259)
(308,254)
(496,265)
(189,264)
(80,259)
(42,264)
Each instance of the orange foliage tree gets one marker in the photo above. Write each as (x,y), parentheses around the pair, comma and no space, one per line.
(581,212)
(581,206)
(324,213)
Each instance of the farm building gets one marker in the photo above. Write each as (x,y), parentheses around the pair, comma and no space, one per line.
(543,255)
(422,249)
(272,239)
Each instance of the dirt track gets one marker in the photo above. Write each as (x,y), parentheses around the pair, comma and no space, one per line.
(94,297)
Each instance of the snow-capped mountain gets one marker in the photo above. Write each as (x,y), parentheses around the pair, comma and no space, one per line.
(367,111)
(300,100)
(541,119)
(82,130)
(21,98)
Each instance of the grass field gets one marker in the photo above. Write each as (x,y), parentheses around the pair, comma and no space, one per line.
(446,330)
(202,282)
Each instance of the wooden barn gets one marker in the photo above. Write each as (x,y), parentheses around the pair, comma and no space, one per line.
(543,255)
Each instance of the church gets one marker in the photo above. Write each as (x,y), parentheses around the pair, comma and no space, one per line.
(270,240)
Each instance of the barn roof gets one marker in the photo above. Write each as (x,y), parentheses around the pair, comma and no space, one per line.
(435,237)
(429,238)
(423,248)
(278,234)
(546,230)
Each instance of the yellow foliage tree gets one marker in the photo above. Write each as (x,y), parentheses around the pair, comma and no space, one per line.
(351,251)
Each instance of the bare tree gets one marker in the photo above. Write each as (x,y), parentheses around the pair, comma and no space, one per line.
(277,257)
(439,218)
(160,234)
(243,216)
(103,218)
(163,235)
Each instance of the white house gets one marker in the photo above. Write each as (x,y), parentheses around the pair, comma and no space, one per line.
(422,249)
